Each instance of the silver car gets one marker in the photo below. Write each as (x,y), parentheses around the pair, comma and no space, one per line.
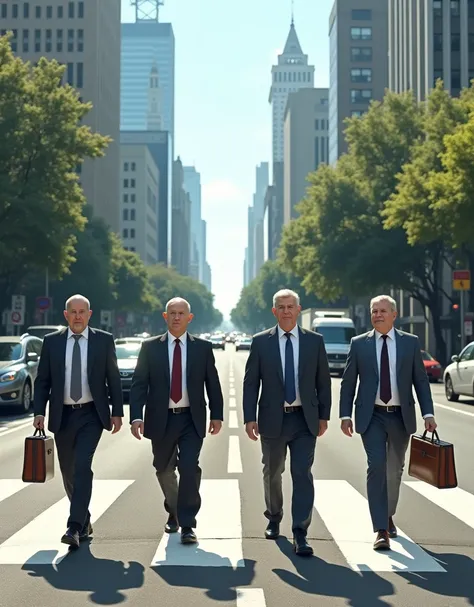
(19,359)
(459,375)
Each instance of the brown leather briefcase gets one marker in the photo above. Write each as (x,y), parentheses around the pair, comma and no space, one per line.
(38,461)
(432,461)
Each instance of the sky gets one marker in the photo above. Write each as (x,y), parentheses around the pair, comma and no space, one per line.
(224,53)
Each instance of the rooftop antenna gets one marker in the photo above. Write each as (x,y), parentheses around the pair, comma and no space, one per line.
(292,12)
(147,10)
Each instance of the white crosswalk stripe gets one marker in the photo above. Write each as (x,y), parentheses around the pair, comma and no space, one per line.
(342,509)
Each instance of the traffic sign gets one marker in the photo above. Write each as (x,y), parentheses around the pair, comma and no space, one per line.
(461,280)
(18,303)
(16,318)
(106,318)
(468,328)
(43,303)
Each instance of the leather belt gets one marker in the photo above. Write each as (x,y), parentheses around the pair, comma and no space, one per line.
(292,409)
(388,409)
(179,409)
(79,405)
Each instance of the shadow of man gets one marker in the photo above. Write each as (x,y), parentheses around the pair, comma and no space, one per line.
(81,571)
(458,581)
(315,576)
(194,567)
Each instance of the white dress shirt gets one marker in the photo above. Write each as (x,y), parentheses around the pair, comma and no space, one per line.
(184,402)
(295,342)
(392,363)
(86,392)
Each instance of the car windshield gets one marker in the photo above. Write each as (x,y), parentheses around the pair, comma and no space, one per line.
(336,335)
(128,351)
(426,356)
(10,350)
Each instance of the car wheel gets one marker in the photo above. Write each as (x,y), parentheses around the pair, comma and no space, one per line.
(26,397)
(449,390)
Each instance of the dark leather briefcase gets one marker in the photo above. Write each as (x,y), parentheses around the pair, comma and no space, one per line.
(38,461)
(432,461)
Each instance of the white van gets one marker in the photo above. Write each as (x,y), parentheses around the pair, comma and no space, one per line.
(337,330)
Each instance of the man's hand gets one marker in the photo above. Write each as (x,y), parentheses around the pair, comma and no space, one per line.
(430,424)
(137,429)
(215,426)
(38,422)
(252,430)
(116,424)
(323,426)
(347,427)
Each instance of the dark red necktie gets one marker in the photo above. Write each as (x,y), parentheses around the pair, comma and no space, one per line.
(385,388)
(176,375)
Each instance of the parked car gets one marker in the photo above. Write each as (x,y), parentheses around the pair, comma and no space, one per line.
(243,343)
(19,359)
(127,356)
(217,341)
(432,367)
(42,330)
(459,375)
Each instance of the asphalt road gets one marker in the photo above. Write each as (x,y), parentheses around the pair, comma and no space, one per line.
(130,559)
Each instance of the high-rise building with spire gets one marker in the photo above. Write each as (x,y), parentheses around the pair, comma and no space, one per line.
(290,74)
(154,120)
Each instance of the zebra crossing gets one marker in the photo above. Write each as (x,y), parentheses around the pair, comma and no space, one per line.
(342,509)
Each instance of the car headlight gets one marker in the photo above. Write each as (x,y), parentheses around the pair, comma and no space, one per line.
(9,376)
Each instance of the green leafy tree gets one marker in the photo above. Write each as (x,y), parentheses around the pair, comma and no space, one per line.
(43,142)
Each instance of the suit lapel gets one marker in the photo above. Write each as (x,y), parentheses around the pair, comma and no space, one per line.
(372,350)
(163,357)
(302,357)
(400,344)
(190,355)
(91,352)
(62,341)
(275,352)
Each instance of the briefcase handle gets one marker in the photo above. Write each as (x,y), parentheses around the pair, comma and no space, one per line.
(433,434)
(40,431)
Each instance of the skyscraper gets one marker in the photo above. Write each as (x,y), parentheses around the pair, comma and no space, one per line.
(192,185)
(290,74)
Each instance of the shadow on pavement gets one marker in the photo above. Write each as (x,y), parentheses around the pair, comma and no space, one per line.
(104,579)
(458,581)
(315,576)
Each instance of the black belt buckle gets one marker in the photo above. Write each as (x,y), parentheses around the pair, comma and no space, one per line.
(76,406)
(291,409)
(177,410)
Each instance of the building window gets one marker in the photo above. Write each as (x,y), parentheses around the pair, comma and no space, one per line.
(361,95)
(125,197)
(359,74)
(59,41)
(132,215)
(361,15)
(60,12)
(361,33)
(437,75)
(26,41)
(125,183)
(132,249)
(132,233)
(49,41)
(125,166)
(80,75)
(14,41)
(70,73)
(455,12)
(80,41)
(357,113)
(38,12)
(132,197)
(15,11)
(49,12)
(455,42)
(37,41)
(361,53)
(132,183)
(71,10)
(4,11)
(316,124)
(80,10)
(125,214)
(125,233)
(26,10)
(455,79)
(438,42)
(70,41)
(437,8)
(134,167)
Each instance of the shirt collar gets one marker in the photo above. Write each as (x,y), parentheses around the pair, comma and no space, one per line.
(390,334)
(85,333)
(182,339)
(293,331)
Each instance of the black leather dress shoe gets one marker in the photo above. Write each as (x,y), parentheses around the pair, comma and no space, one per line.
(301,546)
(171,525)
(188,536)
(71,538)
(86,533)
(272,532)
(392,530)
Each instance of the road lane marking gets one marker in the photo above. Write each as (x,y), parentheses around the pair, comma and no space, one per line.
(345,512)
(454,409)
(233,419)
(250,597)
(10,486)
(38,542)
(455,501)
(9,430)
(232,403)
(234,462)
(219,537)
(231,391)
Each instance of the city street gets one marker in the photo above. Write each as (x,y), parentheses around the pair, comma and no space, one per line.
(131,561)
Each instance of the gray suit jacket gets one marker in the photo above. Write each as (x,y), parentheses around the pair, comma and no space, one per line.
(362,365)
(264,369)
